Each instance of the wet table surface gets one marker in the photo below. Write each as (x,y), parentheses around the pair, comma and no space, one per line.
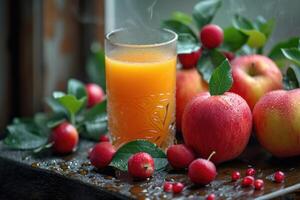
(115,184)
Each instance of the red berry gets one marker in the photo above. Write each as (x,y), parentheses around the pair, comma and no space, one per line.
(64,137)
(202,171)
(141,165)
(258,184)
(248,181)
(95,94)
(211,36)
(211,197)
(229,55)
(178,187)
(235,176)
(102,154)
(190,60)
(250,172)
(180,156)
(279,177)
(104,138)
(168,187)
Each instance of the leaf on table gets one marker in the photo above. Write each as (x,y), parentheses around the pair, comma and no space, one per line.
(276,54)
(182,17)
(121,157)
(23,136)
(208,62)
(234,39)
(186,43)
(204,11)
(221,79)
(178,27)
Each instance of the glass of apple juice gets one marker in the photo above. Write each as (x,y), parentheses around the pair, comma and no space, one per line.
(140,84)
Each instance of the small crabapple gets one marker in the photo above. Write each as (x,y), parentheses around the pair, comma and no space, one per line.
(64,137)
(180,156)
(141,165)
(211,36)
(202,171)
(102,154)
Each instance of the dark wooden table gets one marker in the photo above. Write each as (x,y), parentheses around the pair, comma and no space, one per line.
(47,176)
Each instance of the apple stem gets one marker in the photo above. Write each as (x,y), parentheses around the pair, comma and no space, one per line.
(211,155)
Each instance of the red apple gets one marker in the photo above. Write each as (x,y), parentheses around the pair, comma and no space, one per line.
(188,84)
(217,123)
(276,119)
(253,76)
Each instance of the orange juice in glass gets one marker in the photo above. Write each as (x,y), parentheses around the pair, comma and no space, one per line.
(140,81)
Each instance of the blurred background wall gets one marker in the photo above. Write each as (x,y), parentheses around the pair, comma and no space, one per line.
(45,42)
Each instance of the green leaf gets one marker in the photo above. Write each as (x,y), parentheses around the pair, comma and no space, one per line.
(208,62)
(24,137)
(256,38)
(55,120)
(182,17)
(291,79)
(94,128)
(186,43)
(178,27)
(76,88)
(95,66)
(55,106)
(265,26)
(221,79)
(276,53)
(92,113)
(121,157)
(204,11)
(234,39)
(292,54)
(240,22)
(71,103)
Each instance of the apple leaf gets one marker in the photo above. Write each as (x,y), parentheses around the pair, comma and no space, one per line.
(182,17)
(204,11)
(292,54)
(92,129)
(234,39)
(276,54)
(208,62)
(291,79)
(264,26)
(186,43)
(256,39)
(178,27)
(221,79)
(121,157)
(76,88)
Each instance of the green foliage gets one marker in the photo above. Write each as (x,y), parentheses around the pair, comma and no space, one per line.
(204,11)
(121,157)
(221,79)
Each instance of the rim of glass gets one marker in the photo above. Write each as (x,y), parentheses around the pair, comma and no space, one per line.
(173,39)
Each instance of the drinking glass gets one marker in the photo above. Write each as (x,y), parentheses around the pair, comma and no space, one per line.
(140,84)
